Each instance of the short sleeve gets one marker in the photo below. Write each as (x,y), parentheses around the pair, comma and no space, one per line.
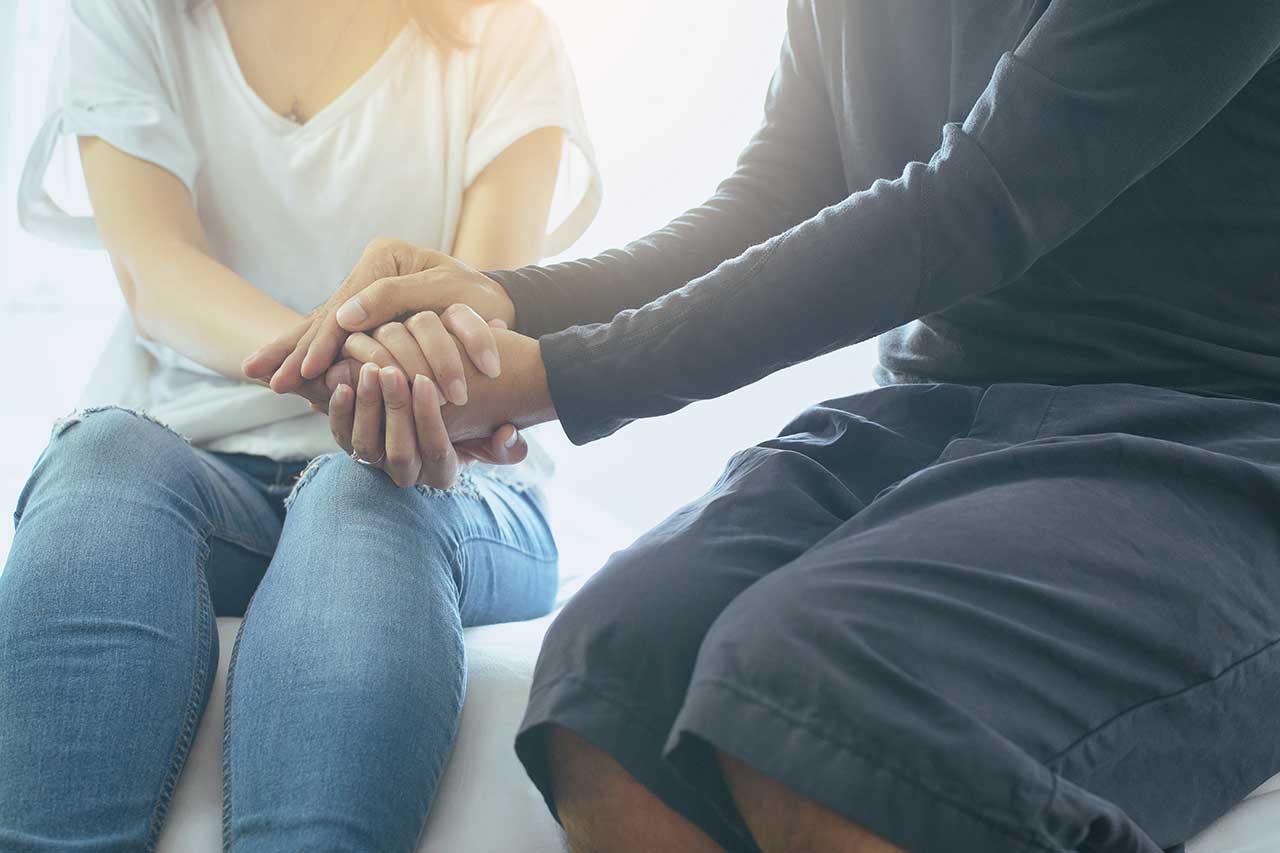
(522,81)
(113,80)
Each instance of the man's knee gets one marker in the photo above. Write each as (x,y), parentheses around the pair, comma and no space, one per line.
(782,821)
(603,808)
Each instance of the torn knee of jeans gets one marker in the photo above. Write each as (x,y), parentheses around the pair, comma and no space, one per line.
(464,487)
(66,422)
(305,477)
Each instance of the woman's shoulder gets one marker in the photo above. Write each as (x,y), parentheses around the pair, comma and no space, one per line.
(500,22)
(131,19)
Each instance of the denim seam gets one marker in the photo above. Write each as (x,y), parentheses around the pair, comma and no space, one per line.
(226,728)
(190,720)
(1027,837)
(510,546)
(231,539)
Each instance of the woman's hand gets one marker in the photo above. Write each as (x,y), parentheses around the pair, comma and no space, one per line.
(376,415)
(387,423)
(430,344)
(400,279)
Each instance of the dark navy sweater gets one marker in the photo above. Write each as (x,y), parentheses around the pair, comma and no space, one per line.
(1057,191)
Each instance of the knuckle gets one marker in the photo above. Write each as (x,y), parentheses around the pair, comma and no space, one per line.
(436,456)
(418,322)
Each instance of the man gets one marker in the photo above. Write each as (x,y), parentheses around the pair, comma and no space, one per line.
(1025,596)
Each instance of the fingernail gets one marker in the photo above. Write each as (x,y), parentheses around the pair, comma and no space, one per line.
(352,312)
(387,376)
(489,364)
(368,376)
(458,392)
(429,389)
(513,438)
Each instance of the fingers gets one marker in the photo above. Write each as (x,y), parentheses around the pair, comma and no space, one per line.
(439,461)
(402,462)
(384,300)
(402,347)
(342,413)
(345,372)
(366,432)
(505,447)
(323,346)
(382,259)
(365,349)
(441,353)
(264,362)
(476,337)
(289,375)
(315,392)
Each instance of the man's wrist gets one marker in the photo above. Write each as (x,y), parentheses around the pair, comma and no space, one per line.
(518,396)
(534,404)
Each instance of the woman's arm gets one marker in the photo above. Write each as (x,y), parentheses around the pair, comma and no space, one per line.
(178,295)
(504,211)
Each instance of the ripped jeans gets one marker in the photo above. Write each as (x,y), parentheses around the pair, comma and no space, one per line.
(347,677)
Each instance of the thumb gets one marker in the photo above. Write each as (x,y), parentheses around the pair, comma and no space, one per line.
(383,301)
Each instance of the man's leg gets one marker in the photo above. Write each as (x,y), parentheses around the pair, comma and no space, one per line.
(783,821)
(1058,644)
(605,810)
(615,665)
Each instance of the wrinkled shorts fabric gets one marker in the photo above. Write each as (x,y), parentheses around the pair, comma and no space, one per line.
(1015,618)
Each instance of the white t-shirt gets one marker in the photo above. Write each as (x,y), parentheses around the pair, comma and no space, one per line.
(290,208)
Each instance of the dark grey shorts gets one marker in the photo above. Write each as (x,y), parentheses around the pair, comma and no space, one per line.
(1022,618)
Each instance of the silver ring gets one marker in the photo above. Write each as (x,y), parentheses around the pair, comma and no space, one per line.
(356,457)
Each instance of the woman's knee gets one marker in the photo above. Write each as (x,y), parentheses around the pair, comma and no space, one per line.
(112,447)
(339,506)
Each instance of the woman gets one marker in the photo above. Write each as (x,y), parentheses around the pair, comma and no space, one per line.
(239,155)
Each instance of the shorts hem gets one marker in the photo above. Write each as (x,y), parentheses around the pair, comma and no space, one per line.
(902,810)
(623,731)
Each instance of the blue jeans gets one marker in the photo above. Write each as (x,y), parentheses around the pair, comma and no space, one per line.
(347,678)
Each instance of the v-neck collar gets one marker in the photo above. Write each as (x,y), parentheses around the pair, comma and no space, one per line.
(332,111)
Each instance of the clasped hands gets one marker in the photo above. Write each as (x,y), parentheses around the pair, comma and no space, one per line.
(414,363)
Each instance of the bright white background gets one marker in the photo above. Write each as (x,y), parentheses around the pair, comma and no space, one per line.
(672,90)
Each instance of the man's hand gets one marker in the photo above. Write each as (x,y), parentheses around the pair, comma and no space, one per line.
(410,431)
(392,279)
